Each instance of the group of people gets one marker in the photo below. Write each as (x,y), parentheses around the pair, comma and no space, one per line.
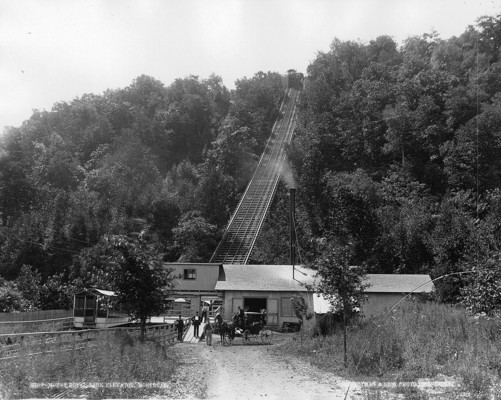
(197,320)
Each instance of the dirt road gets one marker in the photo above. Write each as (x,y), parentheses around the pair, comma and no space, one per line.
(253,371)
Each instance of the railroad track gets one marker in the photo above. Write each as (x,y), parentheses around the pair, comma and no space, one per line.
(242,231)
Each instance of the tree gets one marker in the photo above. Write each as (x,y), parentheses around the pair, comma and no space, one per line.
(11,300)
(453,239)
(196,238)
(301,311)
(124,173)
(404,215)
(232,153)
(29,282)
(138,277)
(472,159)
(351,211)
(56,293)
(255,105)
(482,293)
(216,197)
(17,193)
(341,284)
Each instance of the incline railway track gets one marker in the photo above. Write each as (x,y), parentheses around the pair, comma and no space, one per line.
(243,228)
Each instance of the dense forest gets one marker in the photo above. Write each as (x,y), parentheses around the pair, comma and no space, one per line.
(396,155)
(166,163)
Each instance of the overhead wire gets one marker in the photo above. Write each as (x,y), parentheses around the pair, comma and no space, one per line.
(53,247)
(49,246)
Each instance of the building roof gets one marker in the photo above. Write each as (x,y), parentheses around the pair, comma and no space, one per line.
(396,283)
(279,278)
(264,278)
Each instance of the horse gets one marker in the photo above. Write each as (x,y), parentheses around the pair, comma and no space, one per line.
(226,332)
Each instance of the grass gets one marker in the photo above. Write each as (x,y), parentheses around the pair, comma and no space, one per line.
(117,359)
(399,393)
(416,341)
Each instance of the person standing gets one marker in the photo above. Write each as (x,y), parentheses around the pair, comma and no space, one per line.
(218,320)
(241,316)
(180,328)
(196,324)
(205,309)
(208,332)
(263,316)
(218,323)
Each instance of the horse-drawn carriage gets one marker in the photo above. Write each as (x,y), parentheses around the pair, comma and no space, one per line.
(252,327)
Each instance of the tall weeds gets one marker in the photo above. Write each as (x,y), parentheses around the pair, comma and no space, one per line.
(416,341)
(115,359)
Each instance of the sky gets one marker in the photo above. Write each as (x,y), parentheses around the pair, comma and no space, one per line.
(57,50)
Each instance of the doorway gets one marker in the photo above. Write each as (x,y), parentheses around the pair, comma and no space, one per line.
(254,304)
(90,309)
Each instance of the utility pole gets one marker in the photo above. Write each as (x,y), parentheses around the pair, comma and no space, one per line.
(292,192)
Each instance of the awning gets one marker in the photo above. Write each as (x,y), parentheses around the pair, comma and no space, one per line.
(105,292)
(94,290)
(180,300)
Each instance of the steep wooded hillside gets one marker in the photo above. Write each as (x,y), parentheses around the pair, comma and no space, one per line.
(397,156)
(166,162)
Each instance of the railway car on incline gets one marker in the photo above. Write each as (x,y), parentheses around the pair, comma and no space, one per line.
(295,79)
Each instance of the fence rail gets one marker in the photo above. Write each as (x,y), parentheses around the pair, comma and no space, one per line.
(33,343)
(56,324)
(34,315)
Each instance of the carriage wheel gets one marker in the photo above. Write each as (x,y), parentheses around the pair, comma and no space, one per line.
(246,335)
(266,335)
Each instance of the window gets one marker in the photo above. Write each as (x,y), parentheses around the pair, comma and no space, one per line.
(287,309)
(79,306)
(190,274)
